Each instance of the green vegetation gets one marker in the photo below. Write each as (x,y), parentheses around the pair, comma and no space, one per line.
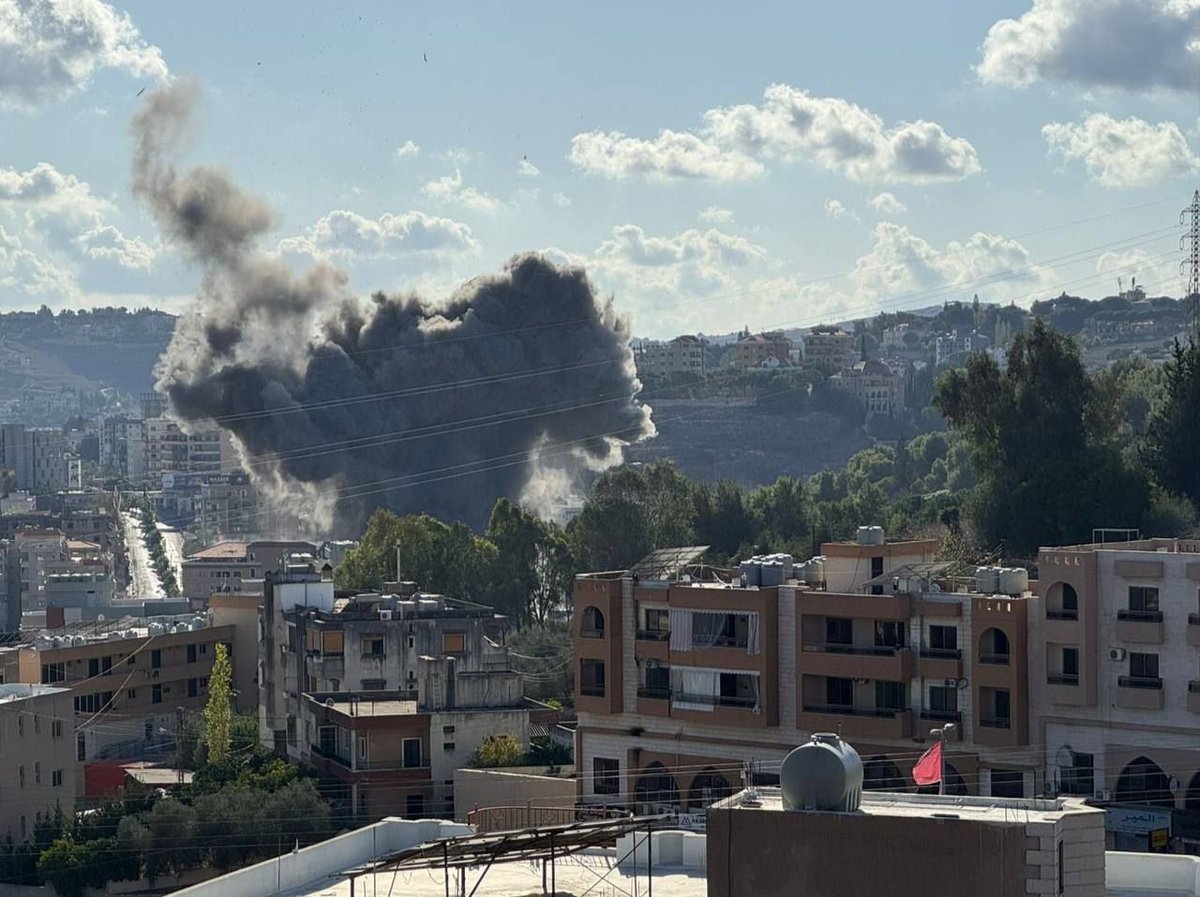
(218,712)
(157,550)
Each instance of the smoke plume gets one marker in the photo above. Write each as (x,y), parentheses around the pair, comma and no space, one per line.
(517,386)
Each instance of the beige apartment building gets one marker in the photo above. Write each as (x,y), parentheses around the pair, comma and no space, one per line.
(830,347)
(682,355)
(37,742)
(877,386)
(685,672)
(223,567)
(125,679)
(1115,671)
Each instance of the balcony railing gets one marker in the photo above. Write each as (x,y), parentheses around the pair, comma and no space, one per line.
(1140,616)
(658,693)
(1148,682)
(995,722)
(1062,613)
(1063,679)
(941,716)
(942,653)
(839,710)
(653,635)
(591,691)
(591,632)
(717,700)
(862,650)
(997,659)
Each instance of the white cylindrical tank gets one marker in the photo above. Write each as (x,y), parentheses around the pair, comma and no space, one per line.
(1013,580)
(987,579)
(876,535)
(751,572)
(825,774)
(864,535)
(772,574)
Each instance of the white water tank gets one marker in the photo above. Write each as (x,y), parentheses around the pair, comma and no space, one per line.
(825,774)
(987,580)
(751,572)
(772,574)
(1013,580)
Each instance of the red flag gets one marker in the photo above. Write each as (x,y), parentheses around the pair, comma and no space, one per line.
(928,770)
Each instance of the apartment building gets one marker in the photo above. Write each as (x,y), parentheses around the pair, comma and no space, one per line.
(757,350)
(223,567)
(874,384)
(37,740)
(170,449)
(38,550)
(1115,672)
(682,355)
(124,678)
(685,672)
(123,447)
(37,456)
(830,347)
(350,686)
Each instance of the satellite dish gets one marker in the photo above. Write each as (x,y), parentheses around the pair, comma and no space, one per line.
(99,618)
(329,702)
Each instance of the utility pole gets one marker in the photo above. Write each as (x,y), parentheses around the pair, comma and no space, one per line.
(1189,267)
(179,745)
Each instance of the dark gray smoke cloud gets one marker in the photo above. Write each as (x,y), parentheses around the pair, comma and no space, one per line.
(516,387)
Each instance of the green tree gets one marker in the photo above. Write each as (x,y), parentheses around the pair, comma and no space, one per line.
(1173,428)
(497,750)
(1044,448)
(218,712)
(516,533)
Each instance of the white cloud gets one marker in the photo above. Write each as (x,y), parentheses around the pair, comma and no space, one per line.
(834,208)
(347,234)
(1158,275)
(886,204)
(631,244)
(459,155)
(669,156)
(1123,152)
(715,215)
(407,149)
(788,125)
(25,273)
(62,211)
(450,189)
(562,200)
(528,169)
(1132,45)
(49,49)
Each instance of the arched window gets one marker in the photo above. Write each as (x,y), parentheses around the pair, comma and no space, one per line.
(1144,782)
(657,788)
(881,774)
(1062,602)
(708,787)
(591,625)
(993,647)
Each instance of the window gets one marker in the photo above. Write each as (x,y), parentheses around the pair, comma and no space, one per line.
(1008,783)
(156,658)
(1079,777)
(454,642)
(203,649)
(373,684)
(156,694)
(54,672)
(131,694)
(56,778)
(591,623)
(447,730)
(372,647)
(838,631)
(191,653)
(1062,602)
(414,806)
(994,711)
(93,666)
(56,729)
(1062,865)
(448,747)
(21,777)
(21,726)
(37,773)
(943,703)
(890,634)
(80,746)
(1143,672)
(606,776)
(891,695)
(1143,604)
(193,688)
(412,752)
(943,640)
(591,678)
(362,747)
(839,692)
(657,624)
(993,647)
(657,680)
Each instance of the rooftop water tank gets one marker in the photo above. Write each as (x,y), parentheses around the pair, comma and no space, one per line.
(864,535)
(751,572)
(772,574)
(826,775)
(1013,580)
(987,579)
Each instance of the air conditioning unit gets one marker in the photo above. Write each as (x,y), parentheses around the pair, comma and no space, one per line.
(950,683)
(1104,793)
(1116,653)
(385,615)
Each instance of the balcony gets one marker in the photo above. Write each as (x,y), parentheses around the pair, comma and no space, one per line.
(1193,630)
(1062,614)
(1193,697)
(591,632)
(1140,626)
(995,722)
(654,693)
(419,770)
(653,635)
(999,660)
(745,703)
(940,663)
(1140,692)
(591,691)
(1063,679)
(856,722)
(857,661)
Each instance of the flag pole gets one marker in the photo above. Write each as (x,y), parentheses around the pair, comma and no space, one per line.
(941,735)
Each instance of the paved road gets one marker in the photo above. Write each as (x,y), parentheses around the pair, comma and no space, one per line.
(173,543)
(143,581)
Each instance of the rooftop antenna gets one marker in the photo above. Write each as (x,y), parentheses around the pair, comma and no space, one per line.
(1189,267)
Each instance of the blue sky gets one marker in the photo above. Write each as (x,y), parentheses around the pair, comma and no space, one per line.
(711,165)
